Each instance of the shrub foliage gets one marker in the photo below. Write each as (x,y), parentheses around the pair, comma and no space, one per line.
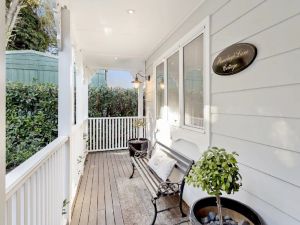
(111,102)
(217,171)
(31,115)
(31,120)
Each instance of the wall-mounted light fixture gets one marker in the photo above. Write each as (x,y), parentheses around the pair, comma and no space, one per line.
(136,82)
(161,85)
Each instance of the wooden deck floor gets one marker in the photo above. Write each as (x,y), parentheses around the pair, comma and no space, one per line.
(107,197)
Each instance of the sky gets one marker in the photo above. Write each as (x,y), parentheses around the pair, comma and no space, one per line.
(119,79)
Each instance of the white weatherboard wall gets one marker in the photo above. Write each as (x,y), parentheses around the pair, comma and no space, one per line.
(257,111)
(2,112)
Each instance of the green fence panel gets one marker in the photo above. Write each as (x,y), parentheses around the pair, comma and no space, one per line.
(31,67)
(36,67)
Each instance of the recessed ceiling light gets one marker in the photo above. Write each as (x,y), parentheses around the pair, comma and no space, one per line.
(130,11)
(116,58)
(107,30)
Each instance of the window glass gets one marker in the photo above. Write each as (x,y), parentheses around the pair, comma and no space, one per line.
(159,90)
(173,87)
(193,82)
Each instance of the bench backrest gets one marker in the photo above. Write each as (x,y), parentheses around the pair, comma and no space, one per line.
(184,163)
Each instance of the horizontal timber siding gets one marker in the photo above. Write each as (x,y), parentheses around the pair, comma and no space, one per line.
(257,111)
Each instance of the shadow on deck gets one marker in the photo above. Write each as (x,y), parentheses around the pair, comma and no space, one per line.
(107,197)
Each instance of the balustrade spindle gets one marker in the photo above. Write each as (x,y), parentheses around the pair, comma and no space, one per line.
(112,133)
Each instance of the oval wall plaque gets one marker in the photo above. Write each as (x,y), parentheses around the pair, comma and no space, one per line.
(234,59)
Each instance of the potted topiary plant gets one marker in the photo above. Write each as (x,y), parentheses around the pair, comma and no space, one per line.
(216,172)
(138,144)
(139,123)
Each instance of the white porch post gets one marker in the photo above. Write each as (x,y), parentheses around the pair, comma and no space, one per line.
(85,92)
(82,93)
(66,92)
(2,112)
(140,101)
(65,77)
(87,78)
(140,106)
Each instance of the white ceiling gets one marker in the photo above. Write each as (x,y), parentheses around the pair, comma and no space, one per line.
(109,37)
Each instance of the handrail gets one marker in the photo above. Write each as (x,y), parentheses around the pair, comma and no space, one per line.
(115,117)
(17,177)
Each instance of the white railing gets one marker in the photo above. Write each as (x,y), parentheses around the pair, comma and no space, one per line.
(77,157)
(36,189)
(112,133)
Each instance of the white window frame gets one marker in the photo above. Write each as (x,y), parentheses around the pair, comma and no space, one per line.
(155,89)
(201,29)
(169,54)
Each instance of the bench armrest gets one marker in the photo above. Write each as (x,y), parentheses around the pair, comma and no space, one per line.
(140,154)
(167,188)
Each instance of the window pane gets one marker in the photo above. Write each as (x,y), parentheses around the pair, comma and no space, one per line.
(193,82)
(159,90)
(173,87)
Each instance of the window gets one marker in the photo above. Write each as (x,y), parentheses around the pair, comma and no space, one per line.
(185,69)
(160,90)
(173,87)
(193,82)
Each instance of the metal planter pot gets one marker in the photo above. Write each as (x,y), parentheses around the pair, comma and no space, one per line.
(236,210)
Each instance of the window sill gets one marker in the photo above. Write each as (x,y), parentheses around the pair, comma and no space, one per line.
(195,129)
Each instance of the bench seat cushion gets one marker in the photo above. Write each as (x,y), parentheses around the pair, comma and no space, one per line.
(162,164)
(154,184)
(173,183)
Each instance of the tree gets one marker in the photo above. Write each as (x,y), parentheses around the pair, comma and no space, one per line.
(216,172)
(13,8)
(30,25)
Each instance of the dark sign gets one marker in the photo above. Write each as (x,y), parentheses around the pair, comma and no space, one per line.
(234,59)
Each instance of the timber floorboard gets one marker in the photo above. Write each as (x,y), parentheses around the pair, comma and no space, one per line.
(106,195)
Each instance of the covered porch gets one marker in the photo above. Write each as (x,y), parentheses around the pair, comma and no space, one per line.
(107,196)
(82,177)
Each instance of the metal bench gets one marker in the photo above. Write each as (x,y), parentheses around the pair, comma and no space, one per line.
(157,187)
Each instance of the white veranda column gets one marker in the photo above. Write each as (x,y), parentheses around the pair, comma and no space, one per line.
(65,77)
(140,106)
(85,91)
(82,92)
(87,79)
(2,111)
(66,92)
(140,100)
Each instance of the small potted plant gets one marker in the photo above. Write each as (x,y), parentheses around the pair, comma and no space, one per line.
(216,172)
(139,123)
(138,144)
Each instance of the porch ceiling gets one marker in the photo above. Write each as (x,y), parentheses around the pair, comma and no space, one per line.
(110,37)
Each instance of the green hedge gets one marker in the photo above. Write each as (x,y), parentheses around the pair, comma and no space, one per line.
(111,102)
(31,114)
(31,119)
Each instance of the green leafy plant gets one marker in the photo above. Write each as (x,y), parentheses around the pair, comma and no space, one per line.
(138,124)
(112,102)
(79,159)
(31,120)
(32,115)
(64,207)
(217,171)
(30,24)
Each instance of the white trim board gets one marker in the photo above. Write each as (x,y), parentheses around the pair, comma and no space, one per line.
(10,52)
